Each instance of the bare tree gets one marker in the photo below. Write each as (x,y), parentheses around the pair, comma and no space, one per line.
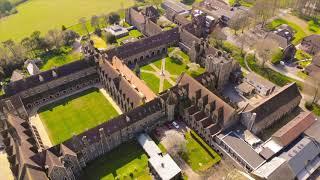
(55,38)
(83,23)
(95,21)
(265,49)
(218,36)
(176,143)
(311,87)
(262,11)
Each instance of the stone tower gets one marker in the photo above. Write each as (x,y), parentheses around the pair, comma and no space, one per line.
(221,65)
(170,105)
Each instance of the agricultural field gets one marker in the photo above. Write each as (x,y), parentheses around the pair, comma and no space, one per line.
(128,161)
(43,15)
(76,114)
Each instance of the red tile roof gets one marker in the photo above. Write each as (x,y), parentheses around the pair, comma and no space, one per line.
(294,128)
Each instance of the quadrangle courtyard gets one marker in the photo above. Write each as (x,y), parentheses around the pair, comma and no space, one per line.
(163,73)
(75,114)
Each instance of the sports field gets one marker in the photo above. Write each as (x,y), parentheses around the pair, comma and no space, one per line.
(75,114)
(128,161)
(43,15)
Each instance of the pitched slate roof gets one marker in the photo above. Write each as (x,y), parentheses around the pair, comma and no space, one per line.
(127,50)
(193,86)
(46,76)
(272,103)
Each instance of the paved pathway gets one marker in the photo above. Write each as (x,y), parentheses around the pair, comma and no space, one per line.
(161,74)
(36,121)
(109,98)
(5,172)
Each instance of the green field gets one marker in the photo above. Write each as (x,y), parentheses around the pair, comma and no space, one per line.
(43,15)
(76,114)
(199,156)
(128,161)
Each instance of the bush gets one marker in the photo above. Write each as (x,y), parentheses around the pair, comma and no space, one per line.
(110,38)
(277,57)
(309,105)
(98,32)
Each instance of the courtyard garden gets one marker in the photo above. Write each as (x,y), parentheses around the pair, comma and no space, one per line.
(198,154)
(59,57)
(128,161)
(174,65)
(43,15)
(75,114)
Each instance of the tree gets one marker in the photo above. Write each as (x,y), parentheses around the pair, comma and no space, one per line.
(113,18)
(262,11)
(311,88)
(235,23)
(70,37)
(109,38)
(95,22)
(28,45)
(265,49)
(83,23)
(54,38)
(175,142)
(10,45)
(218,36)
(63,28)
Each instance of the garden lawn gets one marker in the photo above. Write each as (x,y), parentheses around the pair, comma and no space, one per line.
(132,34)
(197,156)
(152,81)
(60,60)
(76,114)
(98,42)
(128,161)
(299,32)
(43,15)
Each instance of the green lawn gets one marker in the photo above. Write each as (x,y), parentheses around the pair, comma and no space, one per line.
(98,42)
(132,34)
(197,156)
(173,66)
(128,161)
(299,32)
(151,80)
(43,15)
(242,2)
(60,60)
(75,114)
(314,26)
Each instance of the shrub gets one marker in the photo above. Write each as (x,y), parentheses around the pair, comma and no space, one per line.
(277,57)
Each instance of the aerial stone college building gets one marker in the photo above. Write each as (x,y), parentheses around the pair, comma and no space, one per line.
(191,99)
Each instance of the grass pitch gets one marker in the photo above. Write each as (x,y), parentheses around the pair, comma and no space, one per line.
(43,15)
(128,161)
(76,114)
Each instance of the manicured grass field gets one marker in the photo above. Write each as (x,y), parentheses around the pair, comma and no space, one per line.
(75,114)
(151,80)
(197,156)
(43,15)
(174,67)
(128,161)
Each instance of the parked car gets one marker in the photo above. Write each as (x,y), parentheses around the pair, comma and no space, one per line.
(175,124)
